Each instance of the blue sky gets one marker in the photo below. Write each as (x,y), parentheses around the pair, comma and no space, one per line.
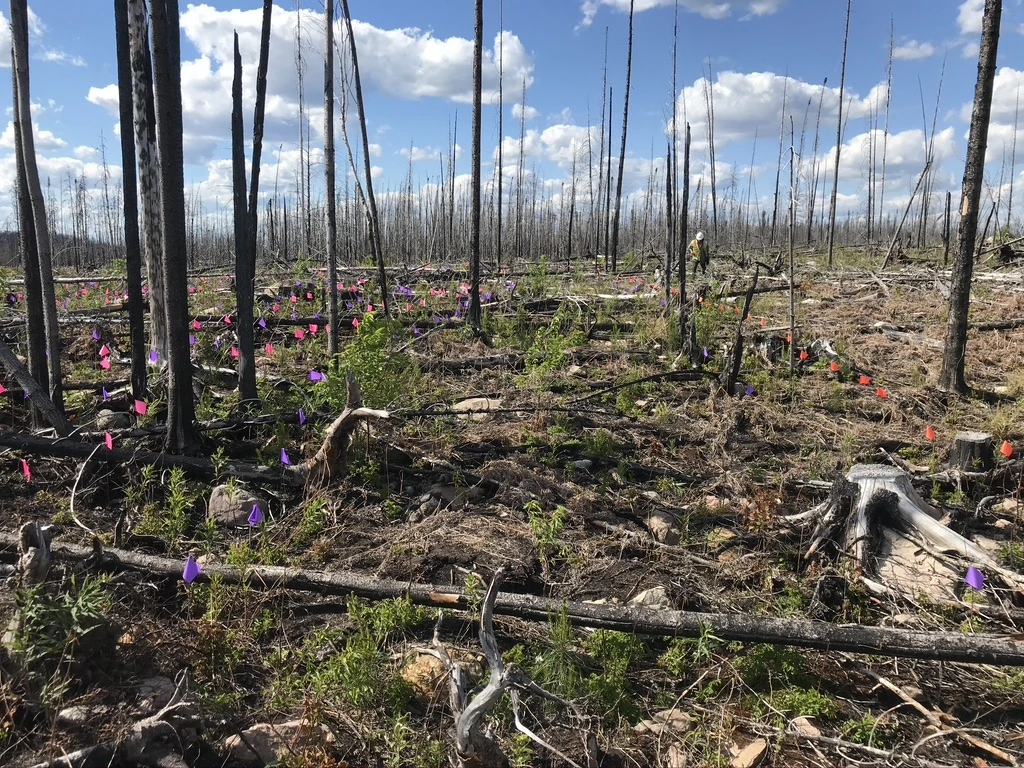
(416,60)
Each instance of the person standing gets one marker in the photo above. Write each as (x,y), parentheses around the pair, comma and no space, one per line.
(699,254)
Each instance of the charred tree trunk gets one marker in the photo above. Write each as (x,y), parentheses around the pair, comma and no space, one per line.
(951,376)
(622,150)
(374,220)
(244,278)
(35,322)
(257,129)
(132,245)
(475,319)
(144,124)
(684,222)
(30,173)
(182,436)
(329,179)
(839,141)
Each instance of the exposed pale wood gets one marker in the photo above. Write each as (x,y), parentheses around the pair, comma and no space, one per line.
(973,452)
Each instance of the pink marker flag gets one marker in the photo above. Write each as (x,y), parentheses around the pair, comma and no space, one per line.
(355,323)
(26,471)
(235,352)
(196,325)
(104,351)
(109,441)
(227,319)
(3,389)
(192,570)
(105,363)
(300,334)
(269,349)
(313,328)
(141,408)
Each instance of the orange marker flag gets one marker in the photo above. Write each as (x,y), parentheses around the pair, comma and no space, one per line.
(1006,449)
(881,393)
(834,367)
(803,354)
(864,380)
(929,433)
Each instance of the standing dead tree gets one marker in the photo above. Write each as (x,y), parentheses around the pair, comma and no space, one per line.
(144,126)
(182,436)
(132,245)
(622,150)
(474,242)
(951,375)
(372,220)
(257,127)
(839,140)
(244,275)
(29,172)
(329,179)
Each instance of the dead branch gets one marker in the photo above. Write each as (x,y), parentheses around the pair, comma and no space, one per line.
(36,393)
(853,638)
(136,747)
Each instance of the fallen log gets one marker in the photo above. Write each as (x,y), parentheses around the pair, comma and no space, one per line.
(854,638)
(40,399)
(67,449)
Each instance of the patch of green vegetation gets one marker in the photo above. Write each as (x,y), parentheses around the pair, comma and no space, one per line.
(768,666)
(169,521)
(870,731)
(547,528)
(610,688)
(552,343)
(684,655)
(784,704)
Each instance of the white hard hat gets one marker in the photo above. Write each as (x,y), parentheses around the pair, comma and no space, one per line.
(700,235)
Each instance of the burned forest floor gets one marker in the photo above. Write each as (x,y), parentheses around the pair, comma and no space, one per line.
(575,447)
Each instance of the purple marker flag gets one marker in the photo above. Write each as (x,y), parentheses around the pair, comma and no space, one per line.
(256,516)
(96,335)
(284,458)
(316,376)
(263,323)
(192,570)
(975,579)
(302,417)
(154,356)
(106,395)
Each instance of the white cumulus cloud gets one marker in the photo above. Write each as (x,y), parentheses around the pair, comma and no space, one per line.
(912,50)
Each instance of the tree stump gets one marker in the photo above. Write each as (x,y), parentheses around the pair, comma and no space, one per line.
(973,452)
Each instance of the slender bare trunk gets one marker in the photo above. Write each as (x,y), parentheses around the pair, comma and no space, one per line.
(329,180)
(839,140)
(622,151)
(501,130)
(778,166)
(951,375)
(815,165)
(30,172)
(257,129)
(244,280)
(475,319)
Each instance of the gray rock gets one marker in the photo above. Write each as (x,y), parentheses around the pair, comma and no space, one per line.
(79,715)
(276,742)
(107,420)
(232,506)
(154,693)
(661,526)
(655,597)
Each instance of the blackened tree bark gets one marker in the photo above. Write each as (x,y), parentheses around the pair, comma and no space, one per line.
(36,324)
(132,246)
(144,126)
(951,376)
(257,128)
(329,179)
(374,220)
(839,141)
(30,173)
(622,151)
(243,259)
(182,436)
(475,319)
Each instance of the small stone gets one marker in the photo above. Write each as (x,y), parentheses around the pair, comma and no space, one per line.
(661,525)
(79,715)
(655,597)
(675,757)
(675,719)
(426,676)
(650,726)
(107,420)
(805,727)
(751,755)
(718,536)
(275,743)
(583,464)
(154,694)
(231,506)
